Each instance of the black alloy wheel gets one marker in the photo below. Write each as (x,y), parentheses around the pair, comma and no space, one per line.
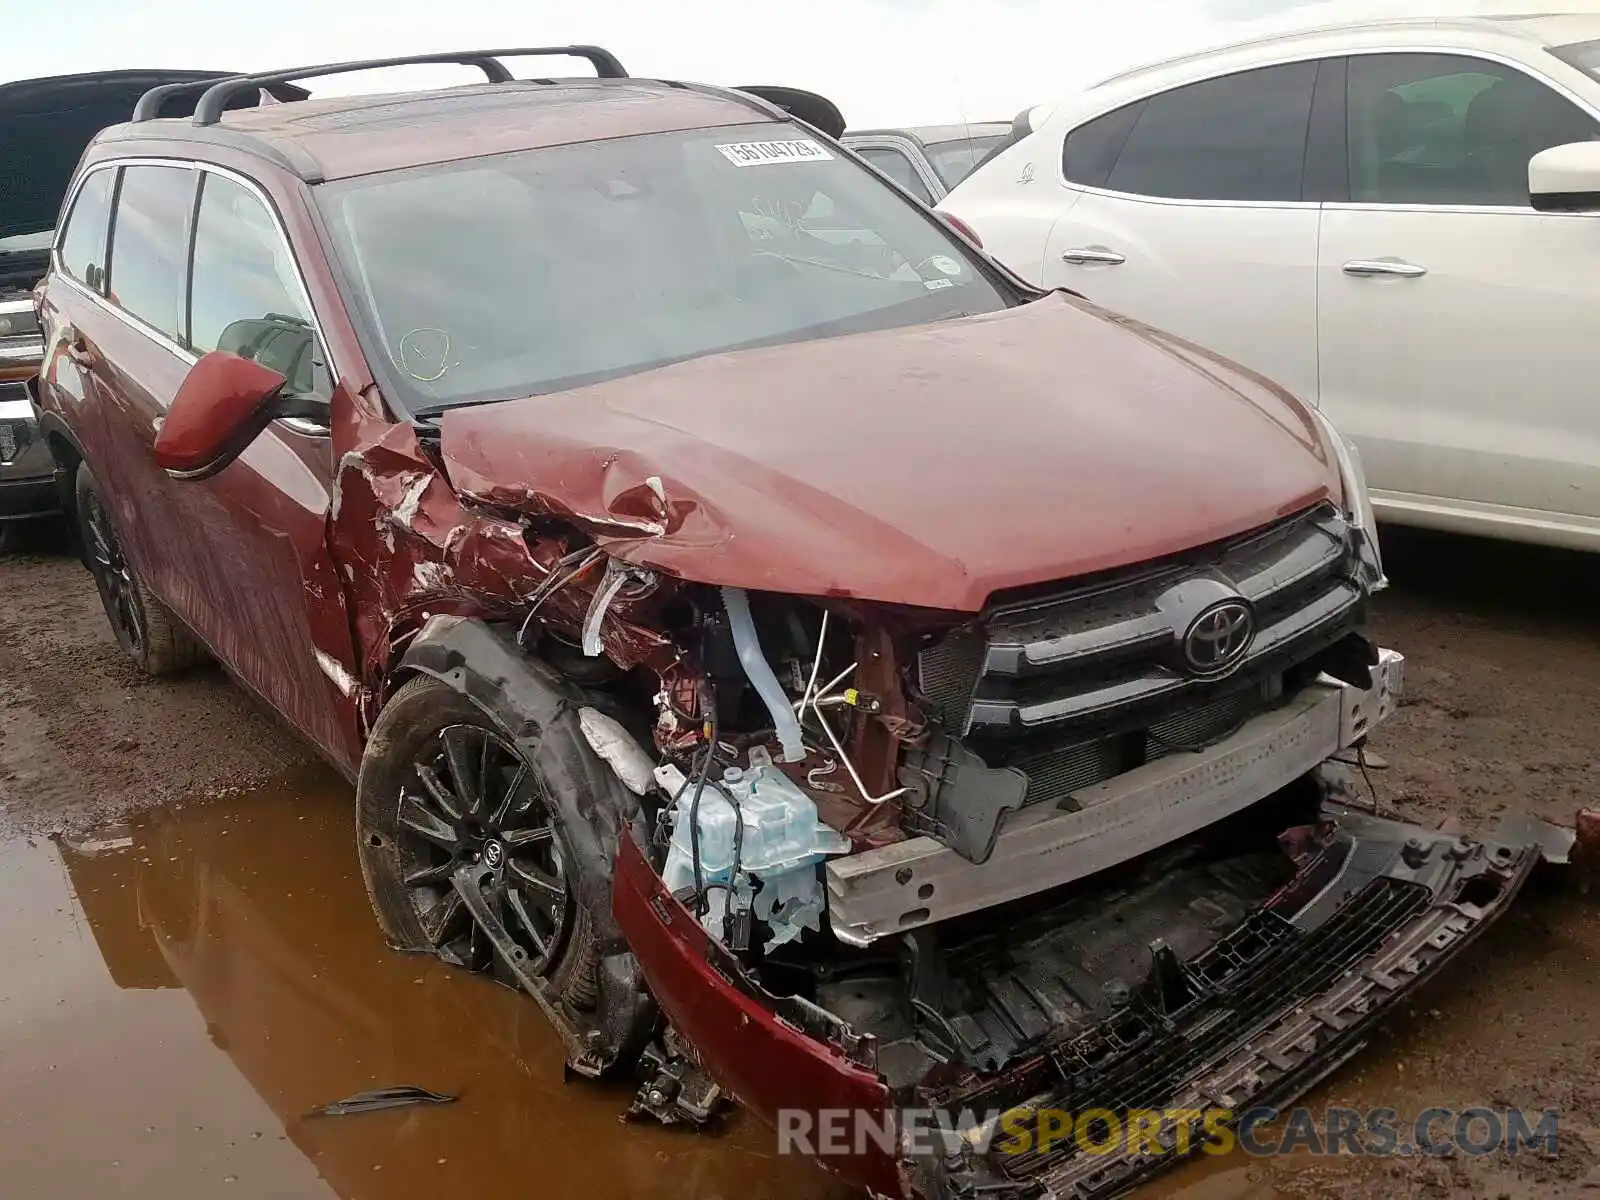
(477,840)
(156,641)
(463,848)
(119,595)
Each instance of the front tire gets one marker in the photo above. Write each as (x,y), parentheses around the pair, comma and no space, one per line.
(464,850)
(148,634)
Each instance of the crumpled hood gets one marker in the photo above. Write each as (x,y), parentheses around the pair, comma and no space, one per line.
(928,466)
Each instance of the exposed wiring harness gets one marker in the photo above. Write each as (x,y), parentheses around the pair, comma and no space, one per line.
(555,581)
(699,780)
(1366,774)
(816,698)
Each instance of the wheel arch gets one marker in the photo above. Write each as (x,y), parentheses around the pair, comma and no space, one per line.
(66,452)
(529,699)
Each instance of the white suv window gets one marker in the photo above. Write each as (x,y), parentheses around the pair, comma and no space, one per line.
(1240,137)
(1450,129)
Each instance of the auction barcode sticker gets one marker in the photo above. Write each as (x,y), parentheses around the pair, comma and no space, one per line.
(760,154)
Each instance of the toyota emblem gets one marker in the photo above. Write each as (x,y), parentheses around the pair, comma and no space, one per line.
(1219,637)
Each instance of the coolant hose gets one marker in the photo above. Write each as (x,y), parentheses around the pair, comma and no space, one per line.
(760,673)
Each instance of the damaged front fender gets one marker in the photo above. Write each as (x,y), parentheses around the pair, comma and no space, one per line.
(408,548)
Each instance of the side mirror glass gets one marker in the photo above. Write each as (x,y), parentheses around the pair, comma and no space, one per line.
(224,403)
(1566,178)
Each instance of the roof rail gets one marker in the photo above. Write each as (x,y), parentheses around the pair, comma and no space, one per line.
(215,100)
(152,103)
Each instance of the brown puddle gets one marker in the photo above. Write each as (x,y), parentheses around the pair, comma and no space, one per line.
(176,994)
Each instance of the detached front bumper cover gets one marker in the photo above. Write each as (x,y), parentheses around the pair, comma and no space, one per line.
(1271,1009)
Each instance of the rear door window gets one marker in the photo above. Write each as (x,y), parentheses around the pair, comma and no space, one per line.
(83,241)
(953,161)
(245,295)
(150,246)
(1241,137)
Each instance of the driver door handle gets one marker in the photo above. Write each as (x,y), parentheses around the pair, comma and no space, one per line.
(1082,255)
(1384,266)
(80,352)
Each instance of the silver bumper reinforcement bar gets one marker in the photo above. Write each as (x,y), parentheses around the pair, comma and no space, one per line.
(920,881)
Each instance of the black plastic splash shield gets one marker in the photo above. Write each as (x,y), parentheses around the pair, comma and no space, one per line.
(1272,1008)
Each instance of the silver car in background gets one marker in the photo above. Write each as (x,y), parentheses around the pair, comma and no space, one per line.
(928,160)
(27,474)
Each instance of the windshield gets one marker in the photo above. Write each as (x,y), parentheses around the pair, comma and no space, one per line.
(532,272)
(954,160)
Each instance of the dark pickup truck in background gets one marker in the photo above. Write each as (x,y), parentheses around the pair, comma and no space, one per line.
(44,126)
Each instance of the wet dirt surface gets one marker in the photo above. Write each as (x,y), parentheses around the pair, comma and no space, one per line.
(191,966)
(84,737)
(181,991)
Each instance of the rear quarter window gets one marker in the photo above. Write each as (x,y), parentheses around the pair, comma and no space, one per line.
(83,240)
(1091,150)
(1239,137)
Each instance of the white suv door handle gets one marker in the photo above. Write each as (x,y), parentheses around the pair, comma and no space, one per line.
(1384,266)
(1081,255)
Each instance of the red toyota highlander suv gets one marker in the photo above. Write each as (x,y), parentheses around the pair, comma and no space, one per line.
(819,670)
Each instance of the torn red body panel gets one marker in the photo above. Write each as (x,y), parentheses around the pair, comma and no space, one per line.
(409,548)
(928,466)
(770,1065)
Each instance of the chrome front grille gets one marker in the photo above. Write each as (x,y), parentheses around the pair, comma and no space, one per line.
(1090,660)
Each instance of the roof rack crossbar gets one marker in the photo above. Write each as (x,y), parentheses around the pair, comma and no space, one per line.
(153,102)
(215,100)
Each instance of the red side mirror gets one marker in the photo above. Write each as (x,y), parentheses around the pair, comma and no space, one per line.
(225,401)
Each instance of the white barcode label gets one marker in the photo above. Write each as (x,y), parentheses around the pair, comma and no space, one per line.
(761,154)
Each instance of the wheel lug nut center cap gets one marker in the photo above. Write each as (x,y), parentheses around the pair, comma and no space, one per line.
(494,855)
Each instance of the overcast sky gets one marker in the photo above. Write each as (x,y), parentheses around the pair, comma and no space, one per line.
(882,61)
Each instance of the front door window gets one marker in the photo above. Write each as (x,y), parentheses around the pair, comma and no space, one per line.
(1450,129)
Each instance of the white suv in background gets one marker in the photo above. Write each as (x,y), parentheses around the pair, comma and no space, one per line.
(1347,210)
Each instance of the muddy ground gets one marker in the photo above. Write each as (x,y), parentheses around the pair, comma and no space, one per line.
(188,966)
